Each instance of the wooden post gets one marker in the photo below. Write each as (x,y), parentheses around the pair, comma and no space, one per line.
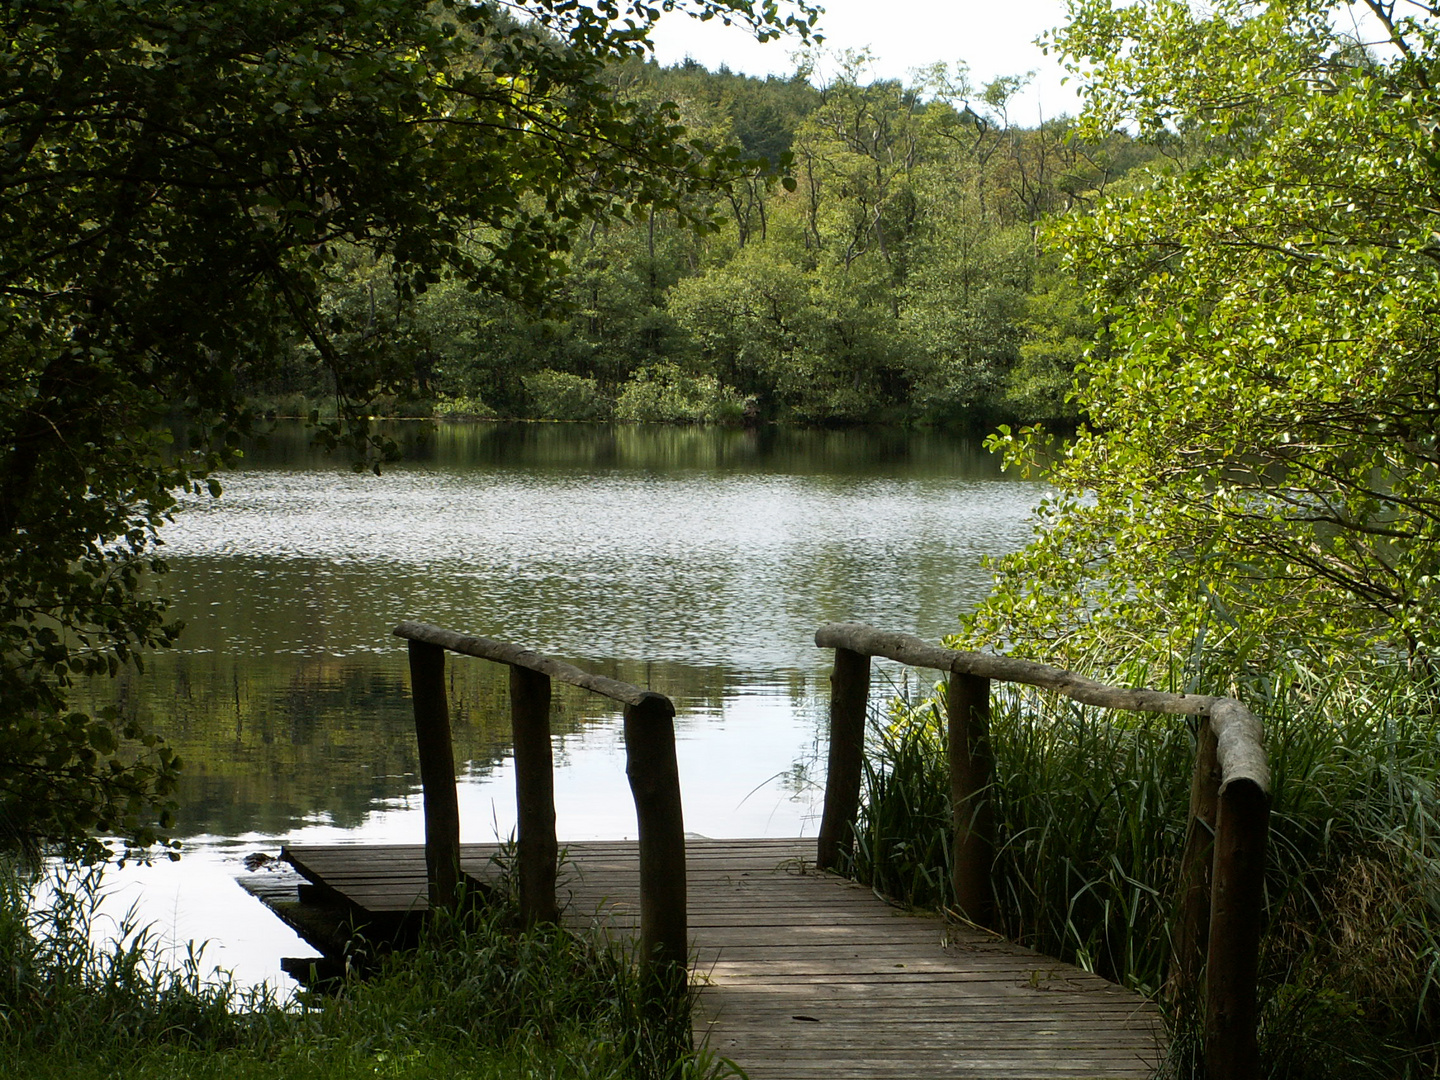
(849,699)
(1231,1014)
(437,774)
(538,851)
(972,768)
(655,784)
(1192,921)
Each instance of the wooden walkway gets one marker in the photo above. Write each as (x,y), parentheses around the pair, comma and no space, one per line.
(805,976)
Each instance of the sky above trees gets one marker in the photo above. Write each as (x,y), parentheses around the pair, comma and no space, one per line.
(993,39)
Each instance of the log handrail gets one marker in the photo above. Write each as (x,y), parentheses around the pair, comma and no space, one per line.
(505,653)
(651,767)
(1240,735)
(1222,874)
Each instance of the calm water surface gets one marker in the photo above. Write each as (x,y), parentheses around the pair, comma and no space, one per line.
(695,562)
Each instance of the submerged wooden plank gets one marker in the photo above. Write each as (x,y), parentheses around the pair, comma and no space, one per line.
(804,976)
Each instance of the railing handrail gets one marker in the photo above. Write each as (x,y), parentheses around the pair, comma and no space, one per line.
(650,767)
(1240,734)
(1222,866)
(503,652)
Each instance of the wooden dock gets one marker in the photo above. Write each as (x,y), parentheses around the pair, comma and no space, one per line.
(805,976)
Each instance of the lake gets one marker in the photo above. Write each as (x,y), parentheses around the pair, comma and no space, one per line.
(696,562)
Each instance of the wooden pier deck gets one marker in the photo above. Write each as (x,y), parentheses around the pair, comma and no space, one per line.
(805,976)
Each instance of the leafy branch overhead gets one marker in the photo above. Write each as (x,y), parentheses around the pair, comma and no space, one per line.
(1263,460)
(177,179)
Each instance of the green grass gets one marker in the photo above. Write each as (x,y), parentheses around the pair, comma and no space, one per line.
(477,999)
(1091,811)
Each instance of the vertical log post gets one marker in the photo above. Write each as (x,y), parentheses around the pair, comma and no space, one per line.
(972,768)
(437,774)
(849,697)
(538,850)
(1192,922)
(655,783)
(1231,1014)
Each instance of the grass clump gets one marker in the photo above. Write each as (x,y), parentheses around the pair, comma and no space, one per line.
(479,998)
(1090,810)
(664,393)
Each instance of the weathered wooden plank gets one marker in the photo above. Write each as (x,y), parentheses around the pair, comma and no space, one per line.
(808,1061)
(922,1047)
(1066,1065)
(838,989)
(890,994)
(792,1070)
(976,1011)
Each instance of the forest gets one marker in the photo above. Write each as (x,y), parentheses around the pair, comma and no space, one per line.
(1218,284)
(874,256)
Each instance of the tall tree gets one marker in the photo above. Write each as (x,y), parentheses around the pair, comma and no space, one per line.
(177,177)
(1264,459)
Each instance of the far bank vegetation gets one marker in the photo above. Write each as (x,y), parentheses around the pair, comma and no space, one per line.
(879,261)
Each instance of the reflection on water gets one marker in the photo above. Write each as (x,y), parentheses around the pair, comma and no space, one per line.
(697,562)
(597,543)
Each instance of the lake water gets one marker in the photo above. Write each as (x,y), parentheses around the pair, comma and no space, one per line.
(696,562)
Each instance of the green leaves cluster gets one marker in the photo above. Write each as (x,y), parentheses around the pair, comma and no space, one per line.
(1262,461)
(180,182)
(891,273)
(900,277)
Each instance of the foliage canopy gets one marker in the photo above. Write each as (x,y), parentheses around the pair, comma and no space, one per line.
(177,180)
(1262,459)
(894,274)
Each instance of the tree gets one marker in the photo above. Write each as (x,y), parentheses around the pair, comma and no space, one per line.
(1263,458)
(177,179)
(806,317)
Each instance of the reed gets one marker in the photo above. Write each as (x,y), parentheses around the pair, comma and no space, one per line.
(1090,810)
(480,997)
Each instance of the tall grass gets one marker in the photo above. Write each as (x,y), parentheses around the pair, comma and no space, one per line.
(1091,812)
(60,988)
(479,998)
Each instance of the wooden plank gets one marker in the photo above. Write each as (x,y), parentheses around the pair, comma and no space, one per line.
(884,994)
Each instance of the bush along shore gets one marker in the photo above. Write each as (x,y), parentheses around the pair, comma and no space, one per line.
(479,998)
(1090,809)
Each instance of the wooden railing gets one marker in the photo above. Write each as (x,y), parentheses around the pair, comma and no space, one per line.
(650,767)
(1217,936)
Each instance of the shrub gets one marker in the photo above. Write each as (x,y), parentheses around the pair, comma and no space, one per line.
(666,394)
(463,407)
(557,395)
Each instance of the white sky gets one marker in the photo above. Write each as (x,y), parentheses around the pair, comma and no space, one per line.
(992,37)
